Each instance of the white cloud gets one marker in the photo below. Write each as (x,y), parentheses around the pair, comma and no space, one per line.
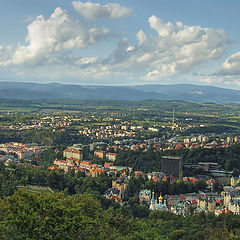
(141,37)
(59,32)
(231,66)
(153,75)
(178,48)
(229,81)
(175,49)
(163,29)
(172,49)
(94,11)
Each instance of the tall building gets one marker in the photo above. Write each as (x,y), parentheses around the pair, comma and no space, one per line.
(173,119)
(172,166)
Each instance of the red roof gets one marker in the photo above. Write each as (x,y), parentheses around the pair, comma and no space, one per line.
(86,163)
(76,151)
(179,146)
(182,196)
(113,154)
(194,202)
(67,150)
(107,164)
(116,198)
(155,179)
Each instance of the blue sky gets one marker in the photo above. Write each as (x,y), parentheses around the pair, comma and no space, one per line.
(121,42)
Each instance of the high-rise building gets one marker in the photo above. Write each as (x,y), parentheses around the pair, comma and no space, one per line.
(172,166)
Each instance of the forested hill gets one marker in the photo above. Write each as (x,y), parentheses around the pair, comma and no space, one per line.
(186,92)
(30,216)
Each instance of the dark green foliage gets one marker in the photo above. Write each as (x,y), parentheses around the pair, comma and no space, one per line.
(31,216)
(71,182)
(43,137)
(53,216)
(146,162)
(216,129)
(228,158)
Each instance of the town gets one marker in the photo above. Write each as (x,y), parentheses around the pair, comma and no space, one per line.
(174,167)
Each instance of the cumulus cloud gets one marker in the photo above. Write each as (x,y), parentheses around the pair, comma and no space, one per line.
(94,11)
(59,32)
(231,66)
(178,48)
(141,37)
(175,49)
(171,48)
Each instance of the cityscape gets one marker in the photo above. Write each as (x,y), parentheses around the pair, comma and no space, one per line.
(119,120)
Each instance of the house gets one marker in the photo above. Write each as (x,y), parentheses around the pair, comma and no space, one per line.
(235,181)
(111,156)
(207,204)
(113,193)
(181,208)
(121,184)
(100,154)
(144,196)
(95,170)
(107,165)
(232,200)
(61,164)
(139,174)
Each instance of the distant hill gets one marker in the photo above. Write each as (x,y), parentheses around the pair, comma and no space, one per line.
(186,92)
(194,93)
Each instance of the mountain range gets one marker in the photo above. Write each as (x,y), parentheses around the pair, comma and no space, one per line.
(186,92)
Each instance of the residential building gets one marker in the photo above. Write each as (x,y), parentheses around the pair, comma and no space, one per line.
(100,154)
(111,156)
(144,196)
(73,153)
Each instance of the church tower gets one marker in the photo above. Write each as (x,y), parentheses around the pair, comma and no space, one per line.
(152,203)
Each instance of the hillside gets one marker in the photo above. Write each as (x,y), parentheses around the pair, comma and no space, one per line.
(185,92)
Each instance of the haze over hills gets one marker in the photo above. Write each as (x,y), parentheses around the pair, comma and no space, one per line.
(186,92)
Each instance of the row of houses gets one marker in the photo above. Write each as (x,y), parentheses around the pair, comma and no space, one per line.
(72,164)
(193,203)
(93,170)
(22,151)
(40,123)
(108,155)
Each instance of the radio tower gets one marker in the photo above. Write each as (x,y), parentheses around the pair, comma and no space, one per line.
(173,120)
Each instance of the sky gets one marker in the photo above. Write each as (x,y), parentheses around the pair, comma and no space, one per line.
(122,42)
